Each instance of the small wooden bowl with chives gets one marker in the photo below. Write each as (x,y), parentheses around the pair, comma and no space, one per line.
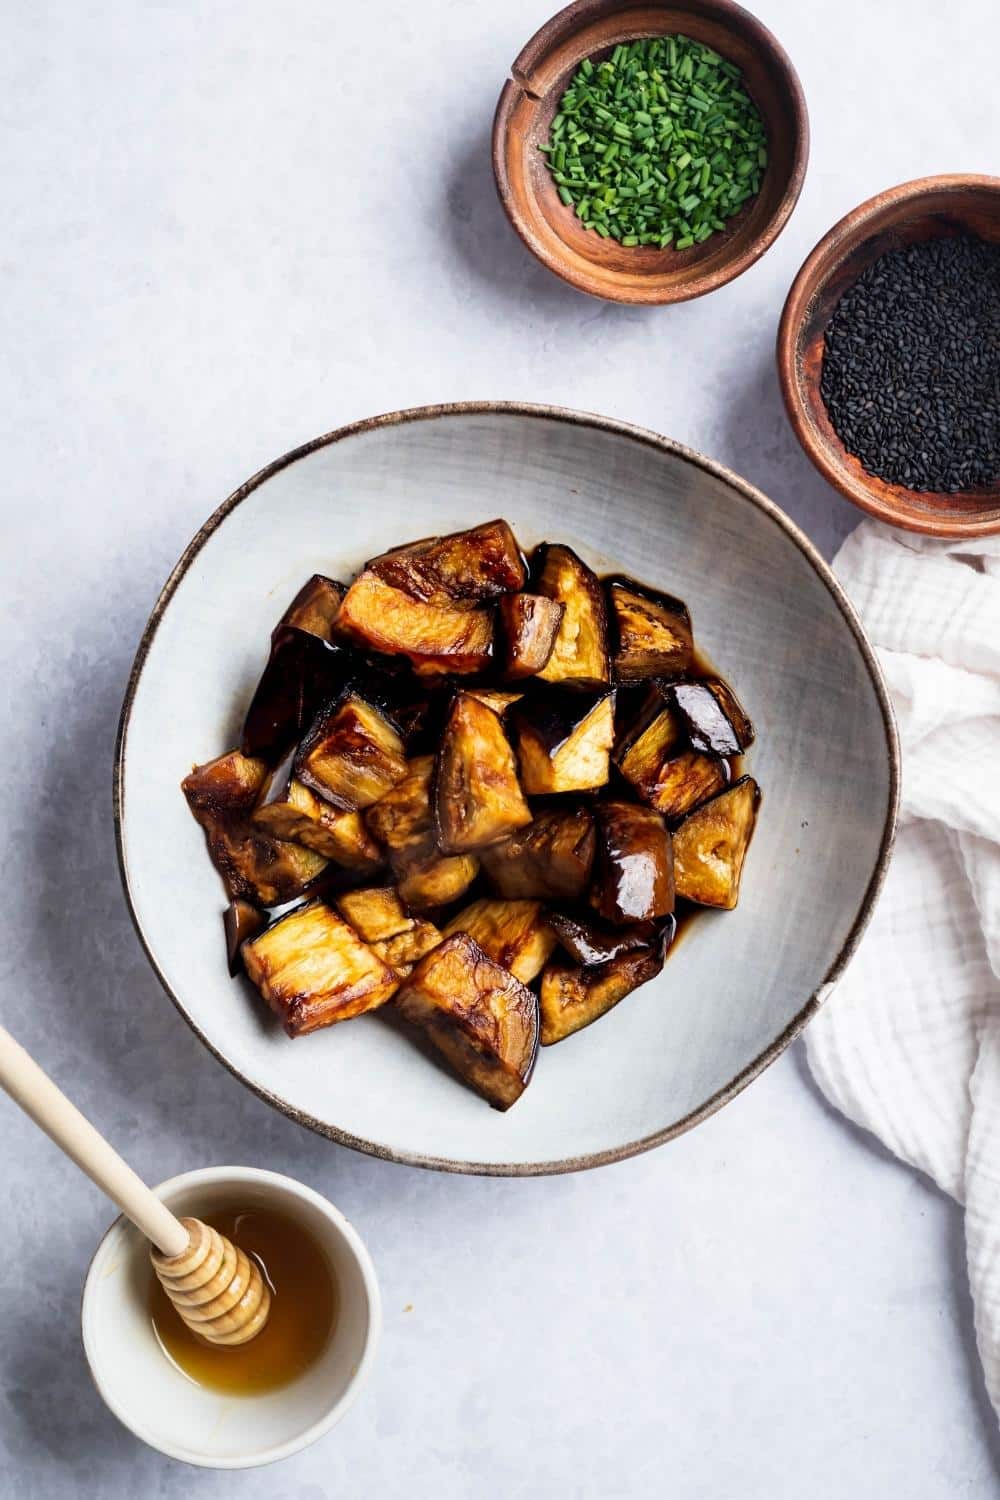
(594,260)
(960,204)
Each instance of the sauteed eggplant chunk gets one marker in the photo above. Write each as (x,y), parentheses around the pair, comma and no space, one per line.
(478,798)
(571,997)
(303,672)
(590,942)
(314,970)
(529,624)
(714,721)
(481,1019)
(254,866)
(710,846)
(550,860)
(580,653)
(315,608)
(512,933)
(460,571)
(352,755)
(652,632)
(287,809)
(482,794)
(377,617)
(564,741)
(634,874)
(381,920)
(665,772)
(241,922)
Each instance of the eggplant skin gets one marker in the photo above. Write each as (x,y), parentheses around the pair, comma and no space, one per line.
(241,922)
(459,571)
(549,860)
(715,722)
(313,970)
(529,625)
(287,809)
(377,617)
(478,798)
(572,997)
(588,942)
(515,934)
(564,742)
(672,779)
(481,1019)
(302,673)
(634,871)
(651,631)
(352,755)
(710,846)
(315,608)
(254,866)
(580,653)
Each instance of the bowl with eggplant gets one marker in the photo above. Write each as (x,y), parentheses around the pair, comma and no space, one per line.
(497,756)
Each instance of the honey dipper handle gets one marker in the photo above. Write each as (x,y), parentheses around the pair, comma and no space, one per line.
(28,1086)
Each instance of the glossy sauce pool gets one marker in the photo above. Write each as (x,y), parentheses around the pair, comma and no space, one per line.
(304,1305)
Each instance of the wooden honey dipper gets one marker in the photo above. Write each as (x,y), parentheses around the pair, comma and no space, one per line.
(216,1288)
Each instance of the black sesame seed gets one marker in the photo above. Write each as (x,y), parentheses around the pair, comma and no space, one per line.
(911,365)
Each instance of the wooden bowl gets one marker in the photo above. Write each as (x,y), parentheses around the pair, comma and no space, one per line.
(551,230)
(927,208)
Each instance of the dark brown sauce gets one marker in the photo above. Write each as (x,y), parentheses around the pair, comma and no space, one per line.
(304,1306)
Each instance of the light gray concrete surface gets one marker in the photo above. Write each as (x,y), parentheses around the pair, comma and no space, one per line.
(228,228)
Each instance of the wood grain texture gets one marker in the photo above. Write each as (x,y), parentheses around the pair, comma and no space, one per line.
(927,208)
(603,267)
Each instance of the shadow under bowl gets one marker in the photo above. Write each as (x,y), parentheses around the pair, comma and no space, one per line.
(551,229)
(927,208)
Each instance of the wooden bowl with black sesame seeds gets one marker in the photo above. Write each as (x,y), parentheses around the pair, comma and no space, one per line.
(597,262)
(928,423)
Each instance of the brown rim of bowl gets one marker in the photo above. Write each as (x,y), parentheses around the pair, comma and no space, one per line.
(581,13)
(663,445)
(822,262)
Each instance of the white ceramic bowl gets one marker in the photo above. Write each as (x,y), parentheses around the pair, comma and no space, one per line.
(167,1410)
(770,615)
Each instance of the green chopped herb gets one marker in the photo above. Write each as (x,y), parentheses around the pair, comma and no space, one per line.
(658,144)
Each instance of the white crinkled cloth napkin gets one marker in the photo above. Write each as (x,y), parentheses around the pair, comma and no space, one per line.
(909,1044)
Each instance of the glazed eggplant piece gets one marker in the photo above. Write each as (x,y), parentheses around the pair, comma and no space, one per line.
(302,673)
(588,942)
(651,631)
(380,919)
(352,755)
(515,934)
(254,866)
(403,819)
(241,922)
(482,1020)
(564,741)
(572,997)
(460,571)
(477,795)
(549,860)
(580,652)
(436,879)
(378,617)
(314,609)
(634,868)
(710,846)
(713,718)
(313,970)
(287,809)
(529,624)
(669,777)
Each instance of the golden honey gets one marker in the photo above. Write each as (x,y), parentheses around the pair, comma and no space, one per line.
(302,1318)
